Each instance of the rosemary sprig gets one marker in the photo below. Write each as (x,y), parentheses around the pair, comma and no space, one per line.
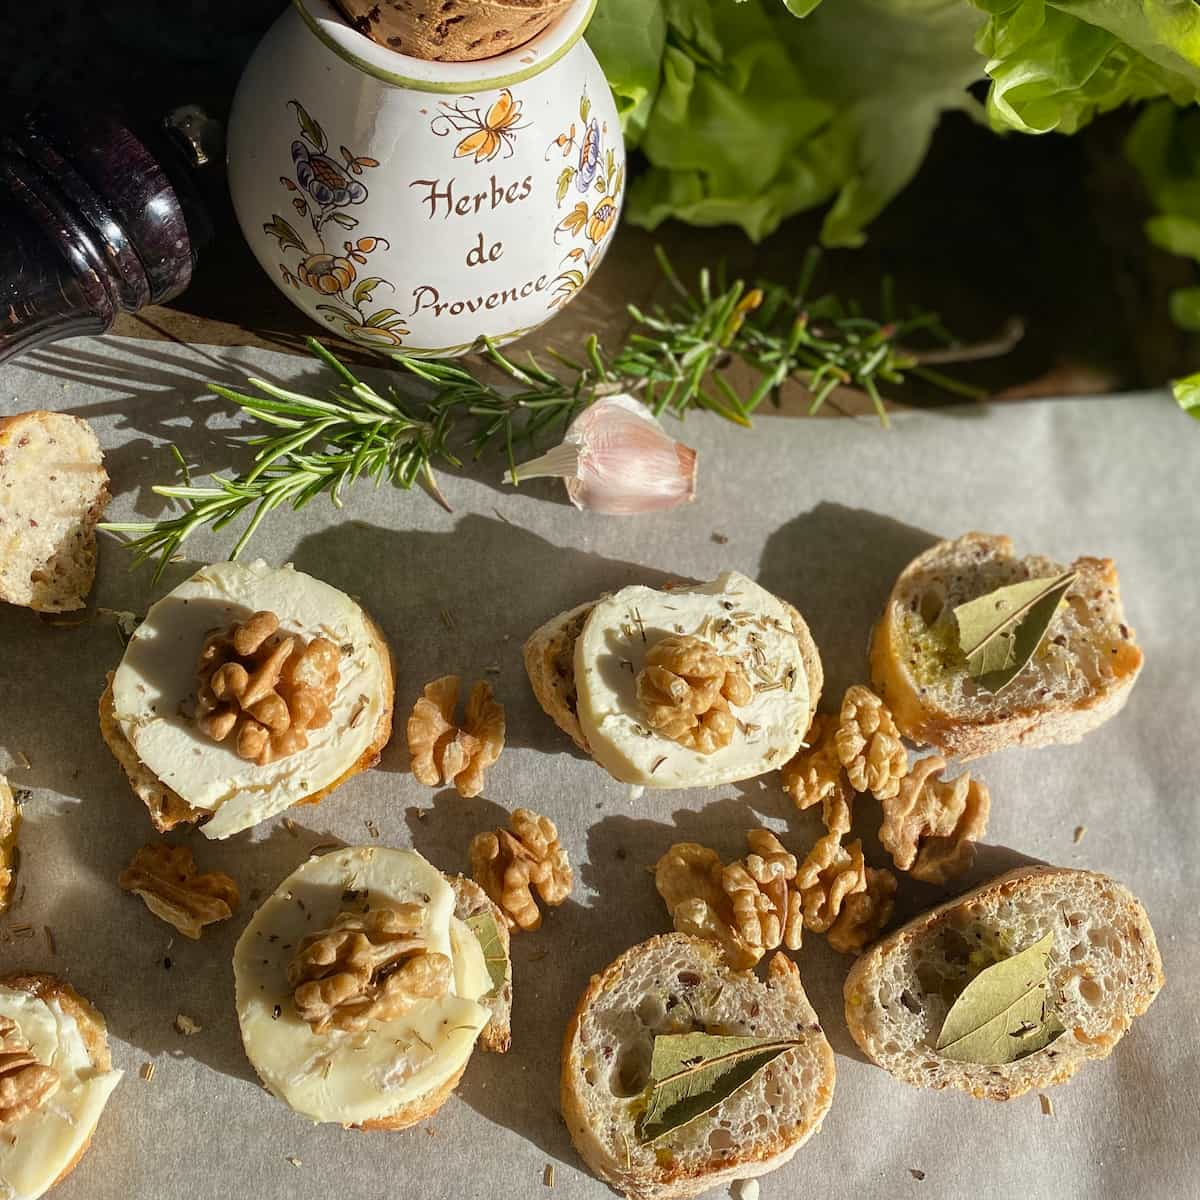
(325,444)
(675,358)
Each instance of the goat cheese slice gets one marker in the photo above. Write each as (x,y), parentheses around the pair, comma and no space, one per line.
(744,622)
(36,1149)
(154,691)
(337,1076)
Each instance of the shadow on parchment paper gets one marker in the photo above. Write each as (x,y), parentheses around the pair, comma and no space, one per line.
(837,565)
(463,602)
(158,973)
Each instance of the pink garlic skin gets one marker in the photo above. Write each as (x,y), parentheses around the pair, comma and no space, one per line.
(628,463)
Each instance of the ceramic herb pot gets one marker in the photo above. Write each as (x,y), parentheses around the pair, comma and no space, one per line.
(412,205)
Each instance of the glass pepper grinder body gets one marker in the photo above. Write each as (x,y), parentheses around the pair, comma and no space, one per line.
(94,220)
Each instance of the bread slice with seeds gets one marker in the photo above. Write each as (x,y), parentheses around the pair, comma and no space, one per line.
(1104,970)
(1081,674)
(53,490)
(681,984)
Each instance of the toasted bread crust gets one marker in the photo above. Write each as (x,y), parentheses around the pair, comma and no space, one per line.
(167,808)
(1052,722)
(87,1017)
(470,900)
(1039,1070)
(549,662)
(672,1182)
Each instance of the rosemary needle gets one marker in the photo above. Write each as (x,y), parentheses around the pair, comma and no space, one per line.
(675,358)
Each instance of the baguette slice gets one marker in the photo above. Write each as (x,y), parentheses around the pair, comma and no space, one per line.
(53,489)
(1104,970)
(472,901)
(550,664)
(680,984)
(1079,677)
(93,1030)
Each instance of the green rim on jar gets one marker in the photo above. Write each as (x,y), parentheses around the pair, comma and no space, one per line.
(514,66)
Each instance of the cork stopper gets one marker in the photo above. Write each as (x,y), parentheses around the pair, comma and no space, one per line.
(451,30)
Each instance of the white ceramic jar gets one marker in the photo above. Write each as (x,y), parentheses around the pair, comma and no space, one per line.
(413,205)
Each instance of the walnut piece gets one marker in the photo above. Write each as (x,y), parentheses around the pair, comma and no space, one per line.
(366,967)
(508,866)
(766,907)
(828,875)
(25,1083)
(685,689)
(869,745)
(10,821)
(931,826)
(815,776)
(749,906)
(264,689)
(166,879)
(442,752)
(864,914)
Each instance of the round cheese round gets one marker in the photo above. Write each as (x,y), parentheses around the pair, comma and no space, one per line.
(154,691)
(354,1077)
(742,621)
(36,1149)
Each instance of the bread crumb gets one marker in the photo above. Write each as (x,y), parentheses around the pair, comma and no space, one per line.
(296,1162)
(917,1175)
(747,1189)
(721,539)
(1047,1105)
(185,1025)
(1080,830)
(548,1175)
(147,1071)
(372,828)
(291,826)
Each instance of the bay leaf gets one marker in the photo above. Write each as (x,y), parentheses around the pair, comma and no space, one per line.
(483,926)
(691,1073)
(1000,632)
(1000,1016)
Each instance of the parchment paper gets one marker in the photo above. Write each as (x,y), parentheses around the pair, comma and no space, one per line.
(825,513)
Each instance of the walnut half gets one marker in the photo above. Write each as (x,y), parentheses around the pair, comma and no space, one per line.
(442,752)
(869,745)
(685,689)
(166,879)
(508,866)
(750,906)
(366,967)
(264,689)
(25,1083)
(931,826)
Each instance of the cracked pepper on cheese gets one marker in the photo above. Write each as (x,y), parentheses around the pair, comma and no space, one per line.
(743,622)
(353,1077)
(154,691)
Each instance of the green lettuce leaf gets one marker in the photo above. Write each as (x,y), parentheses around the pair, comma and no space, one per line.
(1056,64)
(628,38)
(1164,146)
(756,115)
(750,111)
(1187,394)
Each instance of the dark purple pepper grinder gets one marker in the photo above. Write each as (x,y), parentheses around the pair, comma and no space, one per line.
(94,220)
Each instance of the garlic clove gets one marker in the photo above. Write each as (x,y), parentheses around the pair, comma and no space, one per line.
(617,458)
